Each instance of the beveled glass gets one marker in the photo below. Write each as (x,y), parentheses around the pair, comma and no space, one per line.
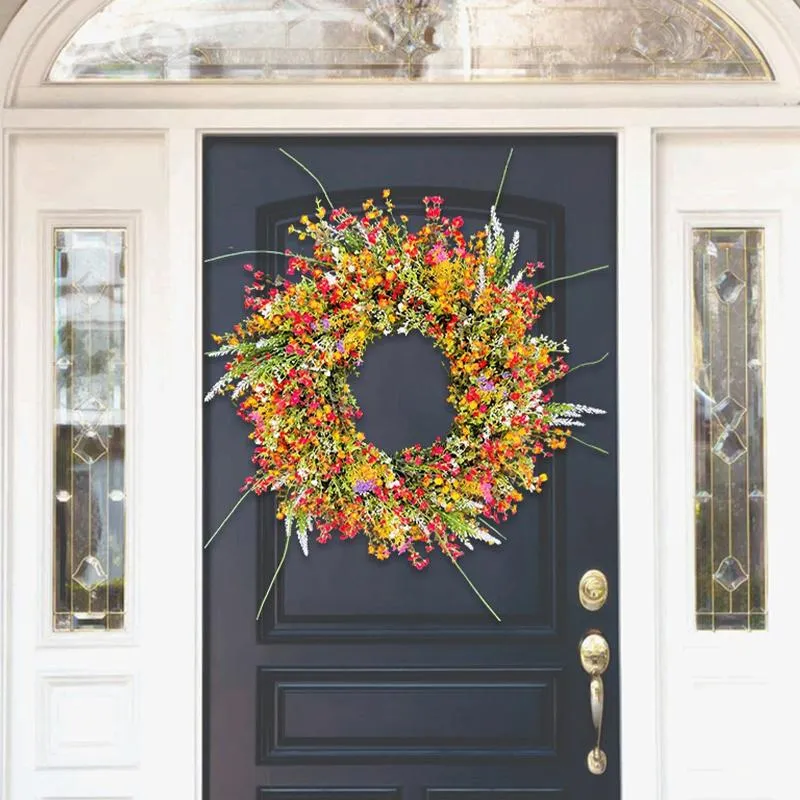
(89,436)
(402,40)
(730,537)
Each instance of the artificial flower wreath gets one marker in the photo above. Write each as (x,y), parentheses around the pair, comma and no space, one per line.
(289,360)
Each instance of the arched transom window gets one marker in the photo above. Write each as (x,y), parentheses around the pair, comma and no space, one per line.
(401,40)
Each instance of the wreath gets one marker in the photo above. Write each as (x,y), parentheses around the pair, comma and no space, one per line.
(289,361)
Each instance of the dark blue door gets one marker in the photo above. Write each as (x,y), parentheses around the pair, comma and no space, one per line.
(370,680)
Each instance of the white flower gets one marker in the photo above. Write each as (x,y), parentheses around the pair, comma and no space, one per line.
(512,284)
(302,538)
(484,536)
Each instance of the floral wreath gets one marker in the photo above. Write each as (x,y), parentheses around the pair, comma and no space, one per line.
(369,276)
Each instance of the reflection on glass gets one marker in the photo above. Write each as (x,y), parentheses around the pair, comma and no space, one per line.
(89,476)
(730,565)
(432,40)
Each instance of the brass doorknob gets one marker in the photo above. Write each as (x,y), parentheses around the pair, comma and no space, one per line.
(595,657)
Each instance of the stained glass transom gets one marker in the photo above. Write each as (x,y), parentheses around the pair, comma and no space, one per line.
(428,40)
(730,495)
(89,495)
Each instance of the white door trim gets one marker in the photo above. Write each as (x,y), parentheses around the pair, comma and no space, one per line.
(639,603)
(640,612)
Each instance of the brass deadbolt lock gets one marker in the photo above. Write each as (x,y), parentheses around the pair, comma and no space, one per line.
(593,590)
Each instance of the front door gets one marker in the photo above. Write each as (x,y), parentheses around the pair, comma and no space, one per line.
(368,679)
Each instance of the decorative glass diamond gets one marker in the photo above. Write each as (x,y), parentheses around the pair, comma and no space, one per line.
(90,573)
(729,412)
(90,412)
(64,363)
(756,494)
(91,292)
(711,249)
(116,496)
(729,447)
(730,574)
(90,449)
(63,496)
(729,286)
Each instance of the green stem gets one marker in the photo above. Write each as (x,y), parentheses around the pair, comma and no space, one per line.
(590,446)
(589,363)
(274,578)
(474,589)
(503,178)
(308,172)
(569,277)
(493,529)
(267,252)
(240,253)
(230,514)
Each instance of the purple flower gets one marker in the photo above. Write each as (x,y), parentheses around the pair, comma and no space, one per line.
(326,323)
(340,346)
(485,384)
(364,487)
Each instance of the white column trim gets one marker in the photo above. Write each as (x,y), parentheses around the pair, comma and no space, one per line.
(5,411)
(184,168)
(638,453)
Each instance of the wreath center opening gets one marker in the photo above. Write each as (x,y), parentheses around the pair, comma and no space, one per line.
(402,389)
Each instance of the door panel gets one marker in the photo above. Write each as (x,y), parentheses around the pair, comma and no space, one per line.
(371,679)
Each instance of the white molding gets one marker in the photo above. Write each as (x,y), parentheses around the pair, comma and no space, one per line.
(184,170)
(131,222)
(42,27)
(5,458)
(114,702)
(639,591)
(350,119)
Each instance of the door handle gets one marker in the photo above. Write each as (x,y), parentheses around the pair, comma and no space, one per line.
(595,657)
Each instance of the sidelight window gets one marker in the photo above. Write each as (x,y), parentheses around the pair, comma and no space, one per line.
(89,434)
(730,492)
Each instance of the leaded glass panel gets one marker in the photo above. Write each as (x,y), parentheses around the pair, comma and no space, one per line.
(430,40)
(89,438)
(730,494)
